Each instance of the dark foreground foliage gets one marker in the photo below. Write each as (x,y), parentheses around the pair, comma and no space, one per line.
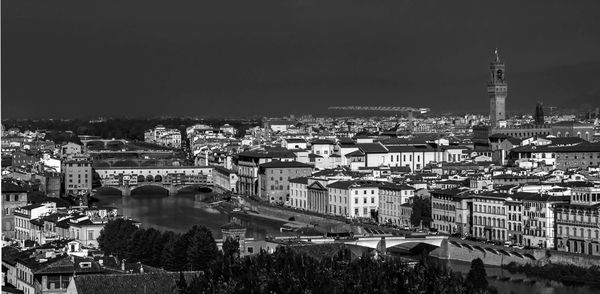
(566,274)
(288,270)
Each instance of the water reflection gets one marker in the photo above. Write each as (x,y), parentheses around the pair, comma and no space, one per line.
(539,287)
(180,212)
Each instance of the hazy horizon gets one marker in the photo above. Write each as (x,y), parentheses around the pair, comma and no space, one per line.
(237,58)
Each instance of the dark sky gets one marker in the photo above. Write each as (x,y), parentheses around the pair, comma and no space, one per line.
(244,57)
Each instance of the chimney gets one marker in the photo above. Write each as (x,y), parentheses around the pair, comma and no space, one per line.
(141,268)
(123,265)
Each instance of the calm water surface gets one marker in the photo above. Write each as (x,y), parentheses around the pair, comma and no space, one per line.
(180,212)
(540,287)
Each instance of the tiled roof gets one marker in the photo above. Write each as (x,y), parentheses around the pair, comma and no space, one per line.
(355,153)
(70,264)
(340,185)
(295,140)
(413,148)
(322,142)
(163,282)
(300,180)
(267,154)
(372,147)
(284,164)
(567,140)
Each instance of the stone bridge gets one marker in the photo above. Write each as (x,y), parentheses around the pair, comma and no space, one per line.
(171,189)
(380,243)
(103,142)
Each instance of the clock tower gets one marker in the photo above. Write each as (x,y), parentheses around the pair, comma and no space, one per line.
(497,91)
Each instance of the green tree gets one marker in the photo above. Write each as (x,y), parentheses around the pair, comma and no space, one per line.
(202,249)
(477,277)
(231,248)
(115,236)
(421,211)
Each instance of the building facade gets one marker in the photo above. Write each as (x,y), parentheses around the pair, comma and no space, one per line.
(274,177)
(78,177)
(578,223)
(13,197)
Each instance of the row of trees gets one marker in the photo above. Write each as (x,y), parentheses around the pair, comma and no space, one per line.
(286,271)
(194,250)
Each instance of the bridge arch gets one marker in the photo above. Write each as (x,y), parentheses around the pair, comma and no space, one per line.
(193,189)
(106,191)
(150,189)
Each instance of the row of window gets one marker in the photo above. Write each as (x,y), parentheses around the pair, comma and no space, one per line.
(578,232)
(489,221)
(489,209)
(15,197)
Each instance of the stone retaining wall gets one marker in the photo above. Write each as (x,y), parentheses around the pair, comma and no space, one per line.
(448,250)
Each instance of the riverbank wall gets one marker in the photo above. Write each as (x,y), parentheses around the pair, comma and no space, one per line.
(462,250)
(322,223)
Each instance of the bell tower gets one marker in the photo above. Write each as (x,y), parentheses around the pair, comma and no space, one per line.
(497,90)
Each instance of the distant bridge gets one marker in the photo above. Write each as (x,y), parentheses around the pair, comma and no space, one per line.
(172,189)
(171,178)
(103,142)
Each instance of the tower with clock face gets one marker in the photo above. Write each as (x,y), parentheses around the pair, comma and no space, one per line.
(497,91)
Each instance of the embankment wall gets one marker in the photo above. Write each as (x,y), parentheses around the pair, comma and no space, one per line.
(450,251)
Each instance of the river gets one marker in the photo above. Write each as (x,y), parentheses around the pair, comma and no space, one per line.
(180,212)
(506,287)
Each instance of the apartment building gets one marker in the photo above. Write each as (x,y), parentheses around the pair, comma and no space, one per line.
(450,210)
(298,192)
(489,216)
(13,197)
(78,177)
(247,167)
(23,217)
(274,177)
(578,222)
(391,199)
(538,219)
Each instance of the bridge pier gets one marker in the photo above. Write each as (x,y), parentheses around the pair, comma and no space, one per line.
(125,191)
(381,246)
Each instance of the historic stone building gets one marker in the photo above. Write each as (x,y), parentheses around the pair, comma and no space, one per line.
(497,91)
(578,222)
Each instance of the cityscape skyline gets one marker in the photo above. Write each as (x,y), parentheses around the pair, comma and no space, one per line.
(63,56)
(300,146)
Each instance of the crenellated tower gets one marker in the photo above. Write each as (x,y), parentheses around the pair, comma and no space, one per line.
(497,90)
